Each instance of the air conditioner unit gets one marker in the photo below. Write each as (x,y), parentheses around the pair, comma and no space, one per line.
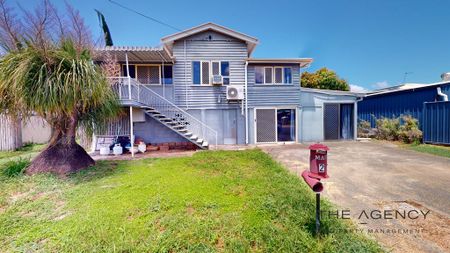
(217,80)
(235,92)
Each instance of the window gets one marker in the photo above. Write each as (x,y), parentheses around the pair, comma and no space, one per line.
(202,71)
(259,75)
(168,74)
(278,75)
(205,72)
(132,70)
(273,75)
(268,75)
(196,72)
(148,74)
(285,125)
(288,75)
(225,71)
(215,68)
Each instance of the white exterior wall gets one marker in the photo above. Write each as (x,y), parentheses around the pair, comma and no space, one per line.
(311,113)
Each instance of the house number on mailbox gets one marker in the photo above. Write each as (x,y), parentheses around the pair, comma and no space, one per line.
(322,167)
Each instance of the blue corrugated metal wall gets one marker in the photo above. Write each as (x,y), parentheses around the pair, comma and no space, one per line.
(436,122)
(398,103)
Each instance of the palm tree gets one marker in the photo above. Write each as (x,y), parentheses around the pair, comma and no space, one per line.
(56,78)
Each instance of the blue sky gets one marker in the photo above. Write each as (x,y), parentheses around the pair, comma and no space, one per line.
(369,43)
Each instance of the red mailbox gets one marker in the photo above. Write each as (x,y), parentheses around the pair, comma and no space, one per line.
(318,160)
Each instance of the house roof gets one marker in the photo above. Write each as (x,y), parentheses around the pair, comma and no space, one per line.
(303,62)
(135,54)
(251,41)
(406,87)
(333,92)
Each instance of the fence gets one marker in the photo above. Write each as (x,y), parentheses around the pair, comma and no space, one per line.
(436,122)
(10,133)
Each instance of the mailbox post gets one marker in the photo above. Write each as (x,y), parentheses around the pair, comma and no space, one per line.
(317,171)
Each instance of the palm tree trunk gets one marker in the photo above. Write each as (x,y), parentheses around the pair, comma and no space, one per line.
(63,155)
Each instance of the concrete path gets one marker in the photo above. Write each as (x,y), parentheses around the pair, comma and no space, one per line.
(380,178)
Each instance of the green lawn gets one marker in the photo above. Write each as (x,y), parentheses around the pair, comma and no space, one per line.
(226,201)
(431,149)
(27,151)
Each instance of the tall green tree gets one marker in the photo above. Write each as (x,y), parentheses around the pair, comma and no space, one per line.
(324,79)
(105,28)
(53,75)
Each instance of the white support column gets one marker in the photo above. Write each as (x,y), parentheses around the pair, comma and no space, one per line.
(131,108)
(246,102)
(128,75)
(131,131)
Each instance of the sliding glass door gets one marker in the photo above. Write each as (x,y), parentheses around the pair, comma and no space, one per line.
(275,125)
(286,125)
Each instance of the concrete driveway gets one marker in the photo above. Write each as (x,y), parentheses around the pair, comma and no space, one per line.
(368,178)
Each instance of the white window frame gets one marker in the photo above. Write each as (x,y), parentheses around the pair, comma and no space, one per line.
(201,73)
(274,75)
(147,65)
(220,70)
(265,75)
(210,72)
(276,108)
(283,82)
(229,70)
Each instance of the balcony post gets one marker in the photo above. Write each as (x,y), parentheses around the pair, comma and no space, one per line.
(131,108)
(128,75)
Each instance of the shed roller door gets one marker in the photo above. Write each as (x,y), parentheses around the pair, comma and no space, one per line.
(266,125)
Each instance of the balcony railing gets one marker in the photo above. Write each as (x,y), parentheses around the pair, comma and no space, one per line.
(129,89)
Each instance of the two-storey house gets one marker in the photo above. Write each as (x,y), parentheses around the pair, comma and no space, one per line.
(202,85)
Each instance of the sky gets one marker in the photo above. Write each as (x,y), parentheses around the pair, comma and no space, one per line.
(371,44)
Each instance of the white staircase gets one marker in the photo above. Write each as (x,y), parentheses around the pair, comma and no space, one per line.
(162,110)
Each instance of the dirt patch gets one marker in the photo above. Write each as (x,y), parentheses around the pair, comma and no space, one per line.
(220,244)
(429,226)
(190,210)
(138,156)
(19,196)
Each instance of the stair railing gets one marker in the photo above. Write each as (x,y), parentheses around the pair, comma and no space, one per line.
(130,89)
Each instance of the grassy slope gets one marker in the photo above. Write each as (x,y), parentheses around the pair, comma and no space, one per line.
(431,149)
(214,201)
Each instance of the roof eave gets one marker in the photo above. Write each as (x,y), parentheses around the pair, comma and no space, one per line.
(303,62)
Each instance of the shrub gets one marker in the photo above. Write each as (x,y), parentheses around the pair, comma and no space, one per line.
(364,129)
(409,131)
(15,167)
(387,129)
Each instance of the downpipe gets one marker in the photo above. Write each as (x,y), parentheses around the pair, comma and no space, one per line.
(441,94)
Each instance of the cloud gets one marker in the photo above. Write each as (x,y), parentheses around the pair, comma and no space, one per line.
(381,85)
(357,88)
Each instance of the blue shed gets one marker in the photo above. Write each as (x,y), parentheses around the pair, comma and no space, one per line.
(402,100)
